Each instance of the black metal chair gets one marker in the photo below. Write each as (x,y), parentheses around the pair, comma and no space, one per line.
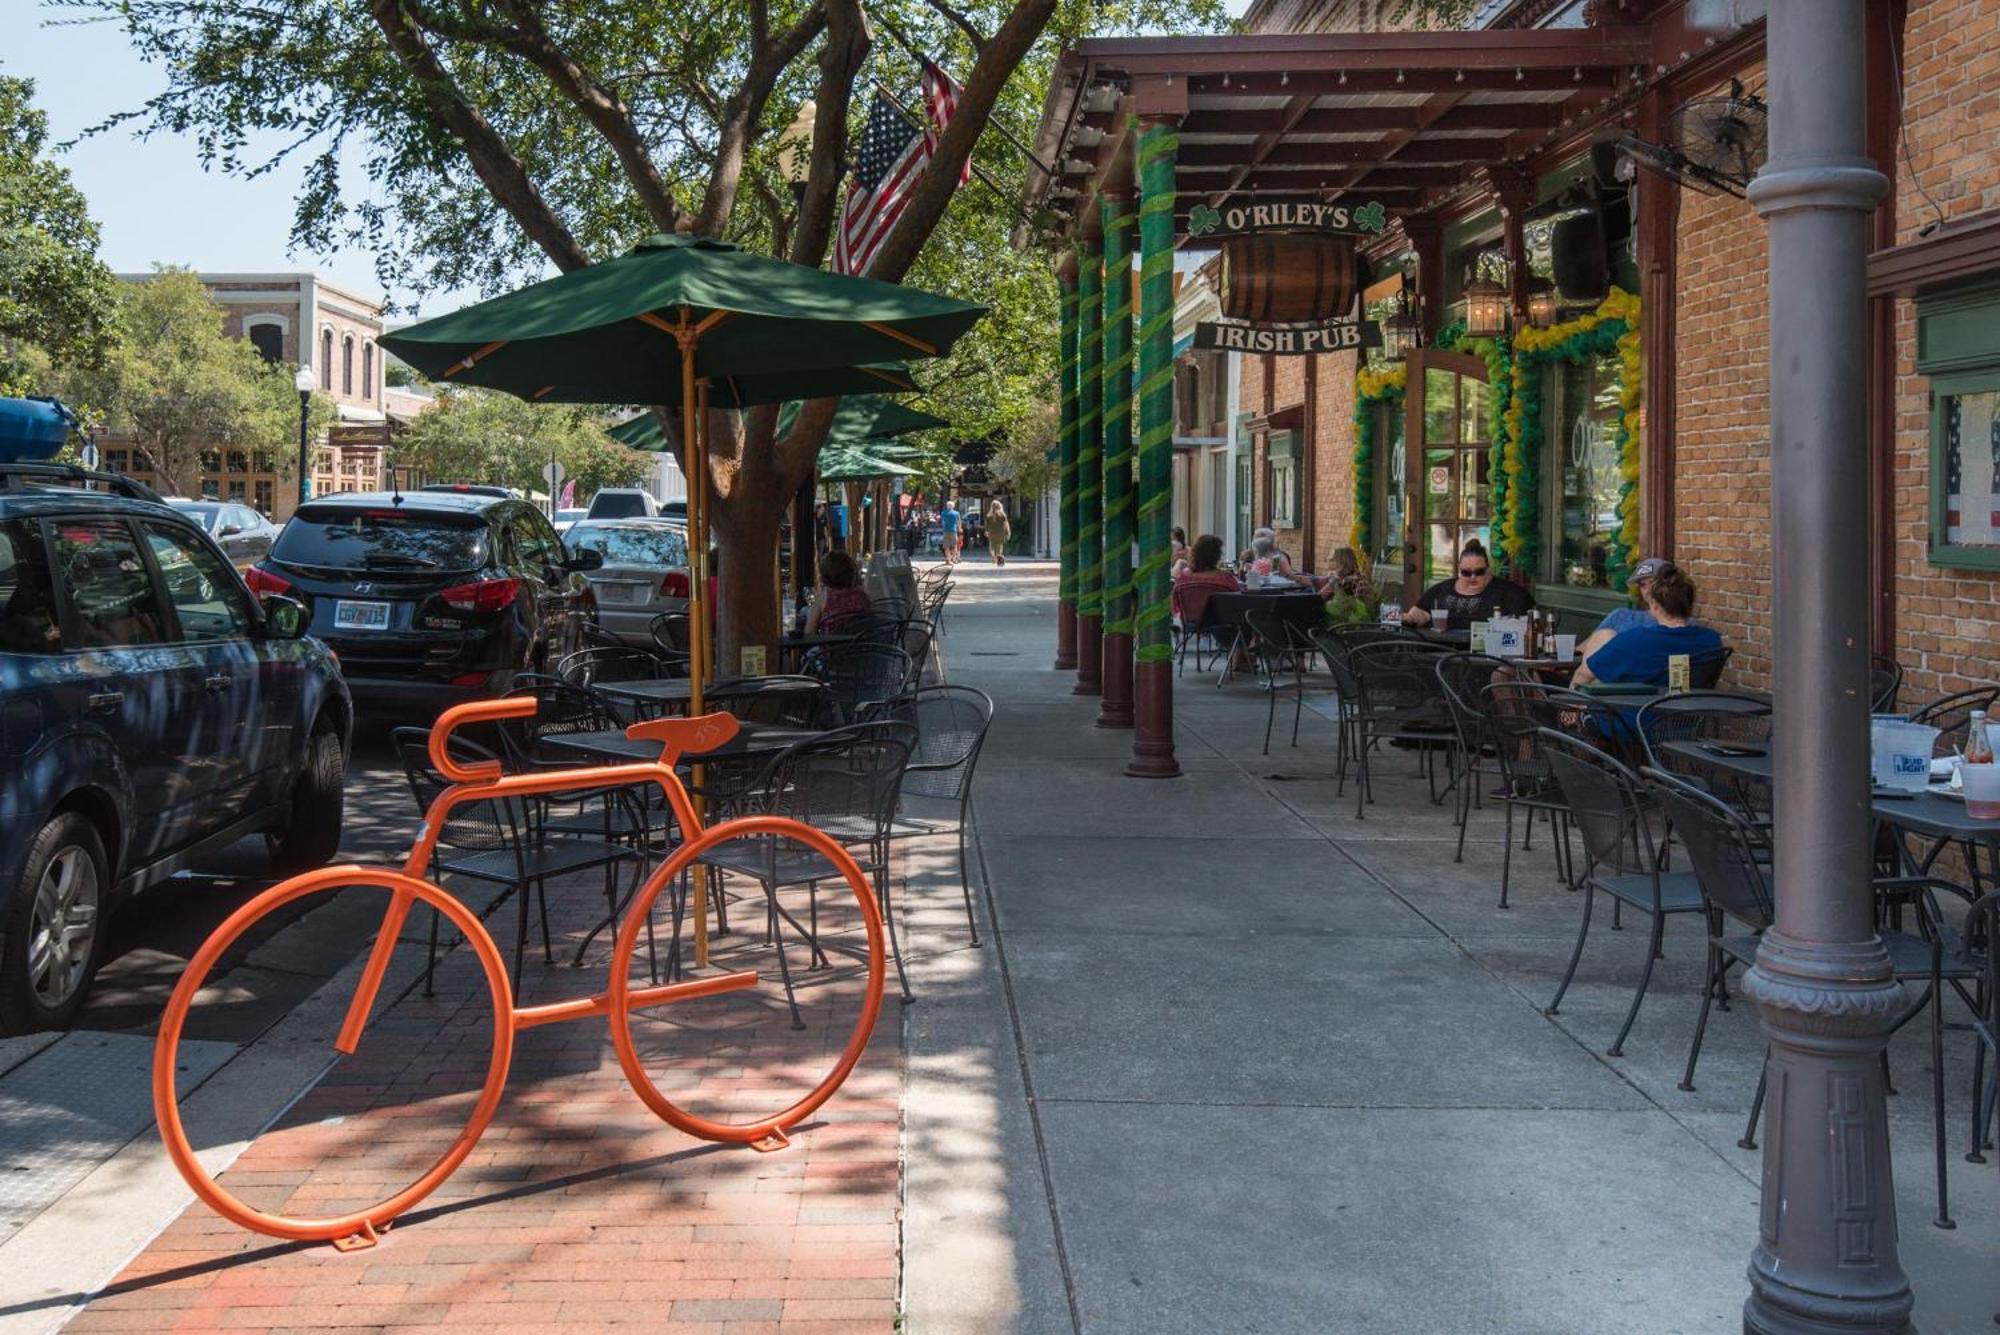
(1512,710)
(610,662)
(951,724)
(1951,714)
(1885,683)
(1195,627)
(506,843)
(1397,699)
(844,783)
(1280,648)
(1705,670)
(931,600)
(673,639)
(1718,718)
(1622,858)
(915,640)
(862,677)
(1463,679)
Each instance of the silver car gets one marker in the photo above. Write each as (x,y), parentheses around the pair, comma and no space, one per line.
(645,572)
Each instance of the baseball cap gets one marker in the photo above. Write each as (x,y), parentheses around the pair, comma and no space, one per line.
(1649,567)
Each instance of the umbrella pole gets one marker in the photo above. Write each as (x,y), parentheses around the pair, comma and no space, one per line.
(691,450)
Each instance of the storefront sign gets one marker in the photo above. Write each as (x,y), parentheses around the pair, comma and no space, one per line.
(1288,340)
(1364,219)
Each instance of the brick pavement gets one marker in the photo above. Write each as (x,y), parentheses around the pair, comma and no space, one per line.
(578,1210)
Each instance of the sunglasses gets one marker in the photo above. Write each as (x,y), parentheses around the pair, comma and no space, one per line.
(1471,572)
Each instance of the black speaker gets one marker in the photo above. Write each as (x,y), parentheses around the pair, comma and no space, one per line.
(1604,164)
(1580,259)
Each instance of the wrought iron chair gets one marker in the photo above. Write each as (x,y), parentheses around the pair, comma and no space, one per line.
(505,843)
(1397,699)
(1623,860)
(1194,628)
(1512,710)
(951,723)
(1885,683)
(1951,714)
(845,783)
(1715,717)
(862,677)
(672,640)
(1280,647)
(610,662)
(915,640)
(1463,678)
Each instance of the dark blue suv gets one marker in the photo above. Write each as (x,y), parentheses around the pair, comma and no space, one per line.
(150,710)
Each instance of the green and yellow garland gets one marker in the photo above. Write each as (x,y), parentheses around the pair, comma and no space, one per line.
(1514,368)
(1370,388)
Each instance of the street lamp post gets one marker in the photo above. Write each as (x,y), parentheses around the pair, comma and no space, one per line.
(1826,1258)
(303,381)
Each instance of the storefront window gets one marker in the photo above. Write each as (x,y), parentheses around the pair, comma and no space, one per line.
(1389,485)
(1965,445)
(1584,438)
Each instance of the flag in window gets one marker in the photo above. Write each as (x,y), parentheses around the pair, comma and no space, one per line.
(894,153)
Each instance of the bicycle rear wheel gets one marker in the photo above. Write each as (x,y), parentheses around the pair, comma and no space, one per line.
(404,892)
(766,1129)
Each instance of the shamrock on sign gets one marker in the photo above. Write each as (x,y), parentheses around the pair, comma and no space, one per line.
(1371,217)
(1202,220)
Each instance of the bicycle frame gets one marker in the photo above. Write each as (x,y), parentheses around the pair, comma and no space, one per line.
(485,781)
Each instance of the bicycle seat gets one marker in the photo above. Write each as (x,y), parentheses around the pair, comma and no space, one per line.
(683,736)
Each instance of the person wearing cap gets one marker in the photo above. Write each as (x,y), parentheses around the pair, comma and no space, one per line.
(1626,618)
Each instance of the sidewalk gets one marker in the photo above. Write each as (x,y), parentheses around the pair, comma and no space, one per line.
(1234,1060)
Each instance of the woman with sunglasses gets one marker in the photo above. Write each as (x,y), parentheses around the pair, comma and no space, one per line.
(1477,594)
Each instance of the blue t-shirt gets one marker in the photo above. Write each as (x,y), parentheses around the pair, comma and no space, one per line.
(948,521)
(1640,654)
(1622,619)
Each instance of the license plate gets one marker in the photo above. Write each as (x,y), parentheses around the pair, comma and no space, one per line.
(622,593)
(361,616)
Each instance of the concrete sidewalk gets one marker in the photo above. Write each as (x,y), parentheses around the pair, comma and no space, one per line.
(1234,1060)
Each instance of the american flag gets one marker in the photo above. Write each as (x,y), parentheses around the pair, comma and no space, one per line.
(893,155)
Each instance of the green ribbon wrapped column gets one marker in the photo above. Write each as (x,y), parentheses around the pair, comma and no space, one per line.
(1089,475)
(1066,454)
(1115,376)
(1153,737)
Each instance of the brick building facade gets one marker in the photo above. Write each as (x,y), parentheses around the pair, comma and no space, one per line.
(294,319)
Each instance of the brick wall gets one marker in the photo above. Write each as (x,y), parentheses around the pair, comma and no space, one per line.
(1329,436)
(1722,492)
(1951,103)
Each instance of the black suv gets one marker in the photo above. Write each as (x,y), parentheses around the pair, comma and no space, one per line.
(150,710)
(431,597)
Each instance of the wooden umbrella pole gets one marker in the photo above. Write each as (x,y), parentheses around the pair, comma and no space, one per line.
(692,452)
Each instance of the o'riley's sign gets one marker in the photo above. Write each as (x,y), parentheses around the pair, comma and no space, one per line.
(1362,219)
(1288,340)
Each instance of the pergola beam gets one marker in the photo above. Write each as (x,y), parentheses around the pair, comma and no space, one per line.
(1500,48)
(1498,116)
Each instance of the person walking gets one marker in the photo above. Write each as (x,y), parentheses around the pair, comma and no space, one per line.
(948,523)
(998,529)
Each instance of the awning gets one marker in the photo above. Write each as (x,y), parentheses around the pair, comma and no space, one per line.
(1403,119)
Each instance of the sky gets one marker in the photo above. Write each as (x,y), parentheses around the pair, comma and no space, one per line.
(153,202)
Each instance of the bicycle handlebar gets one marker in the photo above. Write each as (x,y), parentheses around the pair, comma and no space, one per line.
(677,736)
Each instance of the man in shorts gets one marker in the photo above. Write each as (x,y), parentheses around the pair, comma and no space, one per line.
(948,523)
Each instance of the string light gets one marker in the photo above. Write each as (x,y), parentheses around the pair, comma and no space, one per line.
(1399,76)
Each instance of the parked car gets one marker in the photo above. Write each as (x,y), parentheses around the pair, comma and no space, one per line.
(430,597)
(475,489)
(623,503)
(151,710)
(244,535)
(568,515)
(644,572)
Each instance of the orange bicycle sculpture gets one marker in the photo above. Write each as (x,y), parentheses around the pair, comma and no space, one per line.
(483,781)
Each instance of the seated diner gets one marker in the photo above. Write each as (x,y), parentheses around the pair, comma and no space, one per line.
(1203,568)
(1639,655)
(839,594)
(1476,594)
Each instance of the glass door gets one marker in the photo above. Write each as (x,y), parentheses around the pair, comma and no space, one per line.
(1244,498)
(1448,434)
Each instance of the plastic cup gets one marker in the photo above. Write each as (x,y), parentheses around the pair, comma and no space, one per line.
(1981,785)
(1440,619)
(1903,755)
(1565,648)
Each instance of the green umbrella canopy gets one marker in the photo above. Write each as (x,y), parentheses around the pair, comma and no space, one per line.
(853,463)
(604,334)
(860,417)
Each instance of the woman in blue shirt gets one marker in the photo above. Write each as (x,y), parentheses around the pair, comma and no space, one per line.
(1640,654)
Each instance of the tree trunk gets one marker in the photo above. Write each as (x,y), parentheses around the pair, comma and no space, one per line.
(746,532)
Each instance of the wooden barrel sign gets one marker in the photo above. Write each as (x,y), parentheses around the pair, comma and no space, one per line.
(1287,277)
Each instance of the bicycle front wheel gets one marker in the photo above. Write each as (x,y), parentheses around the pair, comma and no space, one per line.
(752,1042)
(403,893)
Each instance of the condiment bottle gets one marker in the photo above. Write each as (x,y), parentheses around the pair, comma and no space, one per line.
(1978,746)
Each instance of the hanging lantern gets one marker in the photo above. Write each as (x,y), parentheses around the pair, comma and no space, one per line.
(1541,302)
(1485,308)
(1402,332)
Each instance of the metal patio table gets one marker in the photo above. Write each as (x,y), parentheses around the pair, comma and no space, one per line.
(674,694)
(751,739)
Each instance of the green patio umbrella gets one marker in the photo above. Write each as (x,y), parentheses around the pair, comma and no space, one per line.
(853,463)
(688,321)
(859,417)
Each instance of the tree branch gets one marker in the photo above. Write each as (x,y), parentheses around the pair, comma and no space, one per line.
(742,112)
(963,24)
(492,160)
(840,58)
(603,108)
(1009,45)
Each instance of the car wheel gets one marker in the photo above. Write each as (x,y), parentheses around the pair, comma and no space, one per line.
(311,835)
(55,927)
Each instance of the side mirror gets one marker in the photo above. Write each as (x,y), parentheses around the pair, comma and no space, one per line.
(228,530)
(284,617)
(585,558)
